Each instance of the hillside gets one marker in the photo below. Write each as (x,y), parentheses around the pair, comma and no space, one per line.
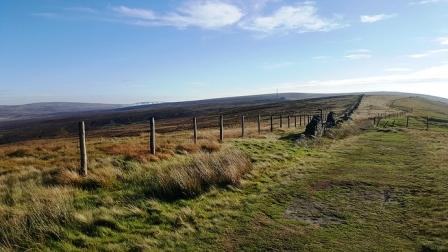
(133,121)
(49,109)
(360,187)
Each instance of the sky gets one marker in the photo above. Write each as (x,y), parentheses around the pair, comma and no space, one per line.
(129,51)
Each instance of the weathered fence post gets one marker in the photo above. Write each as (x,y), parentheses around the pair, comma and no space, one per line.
(300,120)
(322,116)
(259,123)
(221,128)
(407,121)
(195,130)
(152,136)
(289,121)
(82,149)
(272,124)
(281,121)
(242,126)
(295,121)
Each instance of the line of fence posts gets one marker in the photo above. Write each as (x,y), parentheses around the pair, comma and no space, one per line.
(377,119)
(152,134)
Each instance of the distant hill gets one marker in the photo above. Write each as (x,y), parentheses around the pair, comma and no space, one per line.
(41,111)
(49,109)
(62,109)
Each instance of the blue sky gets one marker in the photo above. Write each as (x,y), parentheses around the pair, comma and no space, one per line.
(146,50)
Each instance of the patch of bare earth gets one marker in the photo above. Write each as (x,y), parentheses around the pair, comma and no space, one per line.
(313,212)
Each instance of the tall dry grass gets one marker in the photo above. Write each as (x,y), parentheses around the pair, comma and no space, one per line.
(194,175)
(32,214)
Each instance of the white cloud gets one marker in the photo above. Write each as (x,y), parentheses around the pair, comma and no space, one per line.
(279,65)
(135,13)
(207,14)
(432,80)
(443,40)
(428,53)
(398,70)
(375,18)
(300,18)
(322,57)
(423,2)
(358,54)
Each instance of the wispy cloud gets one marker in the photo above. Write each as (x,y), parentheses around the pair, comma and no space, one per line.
(375,18)
(423,2)
(134,13)
(207,14)
(359,54)
(428,53)
(216,14)
(398,70)
(279,65)
(443,40)
(46,14)
(321,57)
(299,18)
(429,80)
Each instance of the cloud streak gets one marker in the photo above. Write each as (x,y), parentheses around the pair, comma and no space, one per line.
(375,18)
(432,80)
(204,14)
(217,14)
(428,53)
(358,54)
(299,18)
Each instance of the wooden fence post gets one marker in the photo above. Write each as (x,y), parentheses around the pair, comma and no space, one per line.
(300,120)
(221,128)
(295,121)
(242,126)
(272,124)
(82,149)
(281,121)
(259,123)
(407,121)
(322,117)
(289,121)
(152,136)
(195,130)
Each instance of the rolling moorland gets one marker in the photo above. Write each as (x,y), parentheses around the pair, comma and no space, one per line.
(361,187)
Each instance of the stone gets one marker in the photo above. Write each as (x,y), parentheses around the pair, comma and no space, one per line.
(314,128)
(331,120)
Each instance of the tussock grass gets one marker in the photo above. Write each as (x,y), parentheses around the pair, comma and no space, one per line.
(192,176)
(40,213)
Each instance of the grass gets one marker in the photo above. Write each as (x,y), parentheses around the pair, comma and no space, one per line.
(360,190)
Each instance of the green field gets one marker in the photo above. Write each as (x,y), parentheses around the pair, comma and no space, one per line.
(375,189)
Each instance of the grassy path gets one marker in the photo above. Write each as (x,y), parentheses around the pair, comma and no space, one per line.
(379,191)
